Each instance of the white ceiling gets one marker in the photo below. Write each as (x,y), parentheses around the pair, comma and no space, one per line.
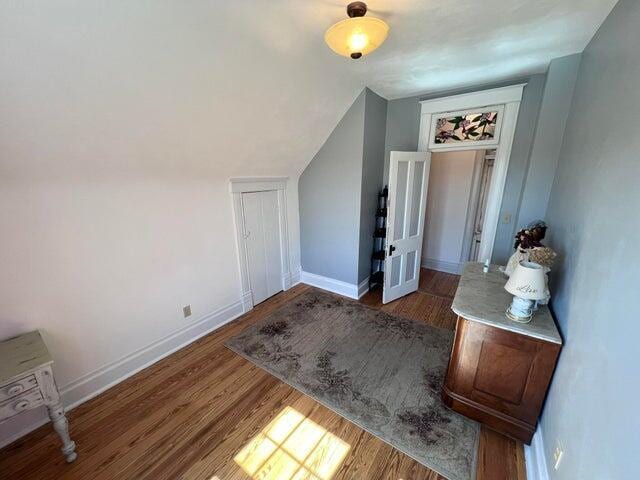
(203,88)
(441,45)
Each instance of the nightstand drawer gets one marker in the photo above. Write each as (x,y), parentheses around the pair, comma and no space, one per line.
(14,389)
(26,401)
(26,382)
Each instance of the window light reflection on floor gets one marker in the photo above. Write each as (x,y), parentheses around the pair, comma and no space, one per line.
(292,447)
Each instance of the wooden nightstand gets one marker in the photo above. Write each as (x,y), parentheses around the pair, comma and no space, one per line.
(26,382)
(500,370)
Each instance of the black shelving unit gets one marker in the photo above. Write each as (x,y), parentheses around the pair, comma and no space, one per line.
(376,279)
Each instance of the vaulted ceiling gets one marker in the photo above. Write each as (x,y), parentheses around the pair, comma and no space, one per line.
(201,88)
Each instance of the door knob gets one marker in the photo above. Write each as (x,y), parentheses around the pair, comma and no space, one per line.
(391,249)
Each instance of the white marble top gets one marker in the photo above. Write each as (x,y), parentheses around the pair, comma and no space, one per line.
(22,354)
(481,297)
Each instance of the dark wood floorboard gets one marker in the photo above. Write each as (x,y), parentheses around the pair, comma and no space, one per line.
(188,416)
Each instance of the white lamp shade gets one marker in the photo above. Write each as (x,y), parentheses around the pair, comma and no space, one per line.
(527,281)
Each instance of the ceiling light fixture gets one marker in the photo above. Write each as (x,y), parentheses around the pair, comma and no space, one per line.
(357,35)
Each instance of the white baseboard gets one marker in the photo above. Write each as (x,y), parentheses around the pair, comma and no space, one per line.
(534,457)
(96,382)
(247,301)
(295,277)
(350,290)
(363,287)
(442,266)
(18,426)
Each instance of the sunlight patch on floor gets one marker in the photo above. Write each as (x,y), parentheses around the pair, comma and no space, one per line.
(292,447)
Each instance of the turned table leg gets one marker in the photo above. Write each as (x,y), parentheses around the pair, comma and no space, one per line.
(61,426)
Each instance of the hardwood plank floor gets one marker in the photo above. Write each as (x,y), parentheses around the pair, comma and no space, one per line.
(188,416)
(438,283)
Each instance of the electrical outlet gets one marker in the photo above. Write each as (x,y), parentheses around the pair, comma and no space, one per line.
(557,455)
(186,311)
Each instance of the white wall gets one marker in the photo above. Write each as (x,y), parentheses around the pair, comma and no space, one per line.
(450,182)
(121,123)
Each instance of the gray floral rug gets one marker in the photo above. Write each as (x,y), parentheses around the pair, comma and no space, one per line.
(381,372)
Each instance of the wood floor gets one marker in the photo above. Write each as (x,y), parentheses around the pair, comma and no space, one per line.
(188,416)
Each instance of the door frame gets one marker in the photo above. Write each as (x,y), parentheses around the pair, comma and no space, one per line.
(238,186)
(507,98)
(473,205)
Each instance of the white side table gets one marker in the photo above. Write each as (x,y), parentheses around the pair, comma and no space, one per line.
(26,382)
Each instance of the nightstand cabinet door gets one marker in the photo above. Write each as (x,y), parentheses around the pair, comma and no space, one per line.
(500,376)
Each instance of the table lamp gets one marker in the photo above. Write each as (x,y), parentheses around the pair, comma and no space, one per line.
(527,284)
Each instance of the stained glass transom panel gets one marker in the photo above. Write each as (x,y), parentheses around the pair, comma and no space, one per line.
(471,127)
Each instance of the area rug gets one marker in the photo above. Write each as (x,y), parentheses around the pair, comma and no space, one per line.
(381,372)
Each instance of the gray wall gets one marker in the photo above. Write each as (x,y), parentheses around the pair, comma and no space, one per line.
(518,165)
(403,123)
(375,124)
(329,198)
(595,226)
(556,102)
(338,194)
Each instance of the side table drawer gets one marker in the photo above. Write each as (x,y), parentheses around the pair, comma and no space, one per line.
(14,389)
(26,401)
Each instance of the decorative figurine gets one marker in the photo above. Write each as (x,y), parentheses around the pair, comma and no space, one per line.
(529,248)
(531,236)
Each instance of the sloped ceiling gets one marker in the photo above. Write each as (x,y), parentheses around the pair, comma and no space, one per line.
(195,88)
(122,120)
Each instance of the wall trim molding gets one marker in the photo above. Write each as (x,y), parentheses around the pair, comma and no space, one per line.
(345,289)
(247,301)
(238,186)
(12,435)
(295,276)
(442,266)
(256,184)
(363,287)
(94,383)
(507,98)
(534,457)
(506,94)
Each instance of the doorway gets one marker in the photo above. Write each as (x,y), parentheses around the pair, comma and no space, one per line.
(456,206)
(474,121)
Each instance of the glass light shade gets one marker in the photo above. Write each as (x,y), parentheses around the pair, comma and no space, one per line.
(527,281)
(358,35)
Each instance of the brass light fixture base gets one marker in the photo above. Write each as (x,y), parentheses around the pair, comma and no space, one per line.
(356,9)
(357,35)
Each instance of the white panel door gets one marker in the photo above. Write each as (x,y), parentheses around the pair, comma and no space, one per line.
(262,240)
(408,180)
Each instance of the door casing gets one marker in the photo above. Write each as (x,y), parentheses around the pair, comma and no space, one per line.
(507,100)
(256,184)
